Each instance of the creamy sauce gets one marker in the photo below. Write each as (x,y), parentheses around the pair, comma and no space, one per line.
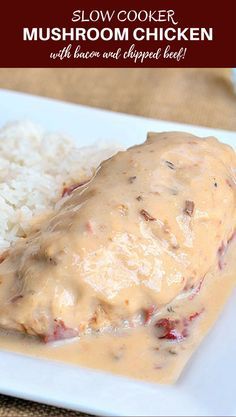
(137,263)
(138,353)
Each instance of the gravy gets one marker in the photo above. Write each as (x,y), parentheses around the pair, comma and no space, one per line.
(135,265)
(138,353)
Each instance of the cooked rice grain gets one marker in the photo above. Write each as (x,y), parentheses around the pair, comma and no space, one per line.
(34,168)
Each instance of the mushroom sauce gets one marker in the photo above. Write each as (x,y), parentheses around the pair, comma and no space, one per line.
(133,267)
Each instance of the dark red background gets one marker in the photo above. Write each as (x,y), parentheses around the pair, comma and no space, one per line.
(14,52)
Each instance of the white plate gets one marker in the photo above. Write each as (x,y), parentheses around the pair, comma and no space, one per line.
(207,386)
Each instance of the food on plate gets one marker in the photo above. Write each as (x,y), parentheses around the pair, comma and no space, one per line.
(131,249)
(34,167)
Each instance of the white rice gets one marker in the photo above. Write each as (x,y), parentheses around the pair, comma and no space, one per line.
(34,168)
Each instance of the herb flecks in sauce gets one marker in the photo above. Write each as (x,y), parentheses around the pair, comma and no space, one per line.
(132,179)
(170,164)
(118,258)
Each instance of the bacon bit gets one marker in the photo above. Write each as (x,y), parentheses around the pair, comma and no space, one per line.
(147,216)
(193,316)
(175,329)
(60,332)
(68,190)
(139,198)
(132,179)
(169,329)
(4,255)
(222,251)
(189,207)
(148,313)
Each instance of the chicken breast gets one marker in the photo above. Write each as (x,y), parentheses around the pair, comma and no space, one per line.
(150,224)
